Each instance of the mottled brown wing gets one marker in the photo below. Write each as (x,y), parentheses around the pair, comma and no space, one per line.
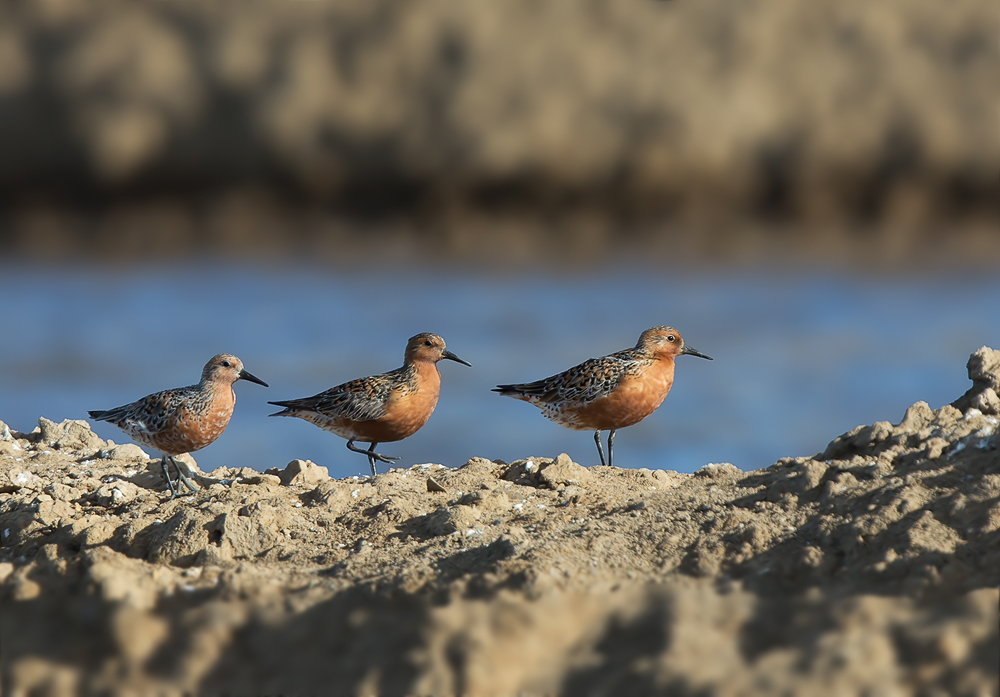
(582,383)
(151,414)
(364,399)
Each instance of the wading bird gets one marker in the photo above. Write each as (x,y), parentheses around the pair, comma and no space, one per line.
(609,393)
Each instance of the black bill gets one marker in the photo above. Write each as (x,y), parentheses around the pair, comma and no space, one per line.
(244,375)
(452,357)
(694,352)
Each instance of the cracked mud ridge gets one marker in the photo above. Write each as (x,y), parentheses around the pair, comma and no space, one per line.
(870,568)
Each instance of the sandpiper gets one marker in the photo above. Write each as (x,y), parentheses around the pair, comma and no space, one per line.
(605,394)
(382,408)
(185,419)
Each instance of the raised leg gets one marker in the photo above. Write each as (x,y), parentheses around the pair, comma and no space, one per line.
(611,446)
(182,477)
(600,450)
(166,475)
(372,455)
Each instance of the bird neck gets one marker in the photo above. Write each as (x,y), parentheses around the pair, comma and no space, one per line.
(662,363)
(217,387)
(425,375)
(209,383)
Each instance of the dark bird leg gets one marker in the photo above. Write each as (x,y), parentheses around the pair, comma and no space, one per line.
(181,476)
(166,475)
(600,450)
(372,455)
(611,446)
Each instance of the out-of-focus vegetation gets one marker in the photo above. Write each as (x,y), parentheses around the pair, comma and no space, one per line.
(221,123)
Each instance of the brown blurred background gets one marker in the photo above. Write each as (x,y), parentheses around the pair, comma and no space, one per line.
(513,131)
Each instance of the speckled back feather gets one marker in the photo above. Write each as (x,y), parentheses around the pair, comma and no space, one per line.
(153,413)
(583,383)
(364,399)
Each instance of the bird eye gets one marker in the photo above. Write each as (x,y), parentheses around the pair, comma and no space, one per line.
(427,342)
(226,364)
(671,338)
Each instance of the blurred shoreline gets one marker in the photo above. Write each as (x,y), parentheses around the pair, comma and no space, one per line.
(251,227)
(556,134)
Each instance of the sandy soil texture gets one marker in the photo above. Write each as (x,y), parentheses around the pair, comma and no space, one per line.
(870,568)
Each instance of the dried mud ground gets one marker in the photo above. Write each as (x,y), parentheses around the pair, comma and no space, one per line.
(869,569)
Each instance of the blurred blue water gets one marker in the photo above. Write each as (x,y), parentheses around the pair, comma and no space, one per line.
(798,358)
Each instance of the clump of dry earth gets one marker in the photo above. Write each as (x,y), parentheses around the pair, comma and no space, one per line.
(870,568)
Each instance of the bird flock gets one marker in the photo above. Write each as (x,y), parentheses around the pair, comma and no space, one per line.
(600,394)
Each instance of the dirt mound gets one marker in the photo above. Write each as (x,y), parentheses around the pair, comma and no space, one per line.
(871,567)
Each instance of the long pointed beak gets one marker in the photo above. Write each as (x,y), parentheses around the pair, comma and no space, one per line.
(452,357)
(244,375)
(694,352)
